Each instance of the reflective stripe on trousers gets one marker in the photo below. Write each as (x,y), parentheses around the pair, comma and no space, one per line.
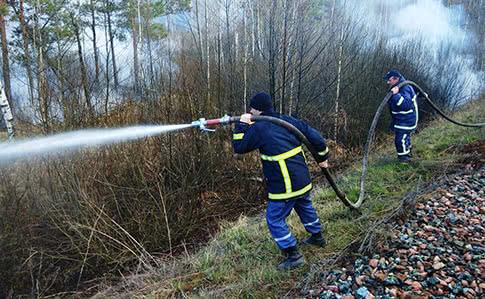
(278,211)
(402,142)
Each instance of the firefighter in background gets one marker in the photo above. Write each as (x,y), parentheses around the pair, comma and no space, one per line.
(286,174)
(404,112)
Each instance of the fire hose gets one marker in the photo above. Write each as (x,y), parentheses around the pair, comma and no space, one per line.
(202,124)
(225,120)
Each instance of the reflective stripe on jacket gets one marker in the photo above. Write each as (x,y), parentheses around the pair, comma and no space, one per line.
(284,164)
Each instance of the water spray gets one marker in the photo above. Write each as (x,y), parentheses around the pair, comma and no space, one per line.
(68,142)
(65,142)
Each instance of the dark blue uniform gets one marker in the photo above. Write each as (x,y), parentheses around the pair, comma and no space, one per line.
(404,112)
(286,173)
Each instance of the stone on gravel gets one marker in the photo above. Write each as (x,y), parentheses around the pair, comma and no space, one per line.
(439,252)
(362,292)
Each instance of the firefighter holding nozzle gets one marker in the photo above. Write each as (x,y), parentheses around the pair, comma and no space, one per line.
(286,174)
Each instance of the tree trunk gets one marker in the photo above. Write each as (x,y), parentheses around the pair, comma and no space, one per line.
(207,54)
(95,47)
(169,98)
(6,112)
(219,71)
(272,53)
(301,59)
(285,51)
(291,47)
(84,76)
(136,66)
(227,7)
(111,42)
(25,43)
(197,37)
(66,110)
(6,64)
(43,84)
(339,76)
(106,71)
(245,59)
(148,36)
(253,29)
(257,37)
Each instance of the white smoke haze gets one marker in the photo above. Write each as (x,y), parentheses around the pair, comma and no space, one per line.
(68,142)
(428,22)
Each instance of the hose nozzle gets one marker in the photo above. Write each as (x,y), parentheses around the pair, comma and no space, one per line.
(202,123)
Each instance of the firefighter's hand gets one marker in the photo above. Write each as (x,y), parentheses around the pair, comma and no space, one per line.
(395,90)
(246,118)
(323,164)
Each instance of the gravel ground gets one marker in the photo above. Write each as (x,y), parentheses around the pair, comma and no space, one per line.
(438,253)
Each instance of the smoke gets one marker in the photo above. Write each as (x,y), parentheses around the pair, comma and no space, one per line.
(410,20)
(67,142)
(431,21)
(440,29)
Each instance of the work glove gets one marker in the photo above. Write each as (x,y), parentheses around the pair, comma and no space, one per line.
(246,118)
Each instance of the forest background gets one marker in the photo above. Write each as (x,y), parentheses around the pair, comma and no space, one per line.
(103,63)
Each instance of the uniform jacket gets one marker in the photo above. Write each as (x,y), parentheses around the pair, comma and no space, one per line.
(404,108)
(284,164)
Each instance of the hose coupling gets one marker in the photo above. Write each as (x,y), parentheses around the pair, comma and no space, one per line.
(202,125)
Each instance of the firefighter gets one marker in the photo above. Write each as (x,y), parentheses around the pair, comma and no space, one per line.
(404,111)
(286,174)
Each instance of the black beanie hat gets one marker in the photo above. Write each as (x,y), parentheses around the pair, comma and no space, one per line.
(392,73)
(262,102)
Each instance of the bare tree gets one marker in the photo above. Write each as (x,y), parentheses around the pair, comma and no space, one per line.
(25,44)
(5,61)
(207,54)
(43,87)
(92,8)
(84,75)
(109,8)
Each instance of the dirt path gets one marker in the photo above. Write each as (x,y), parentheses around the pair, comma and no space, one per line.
(438,253)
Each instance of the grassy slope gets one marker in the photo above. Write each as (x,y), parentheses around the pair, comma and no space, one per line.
(240,261)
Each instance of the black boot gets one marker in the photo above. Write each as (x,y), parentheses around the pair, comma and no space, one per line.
(316,240)
(405,159)
(293,259)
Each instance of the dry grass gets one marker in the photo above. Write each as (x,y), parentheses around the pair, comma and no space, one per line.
(133,206)
(65,221)
(240,260)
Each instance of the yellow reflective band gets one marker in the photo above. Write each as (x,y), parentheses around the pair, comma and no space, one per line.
(286,175)
(290,194)
(324,152)
(282,156)
(238,136)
